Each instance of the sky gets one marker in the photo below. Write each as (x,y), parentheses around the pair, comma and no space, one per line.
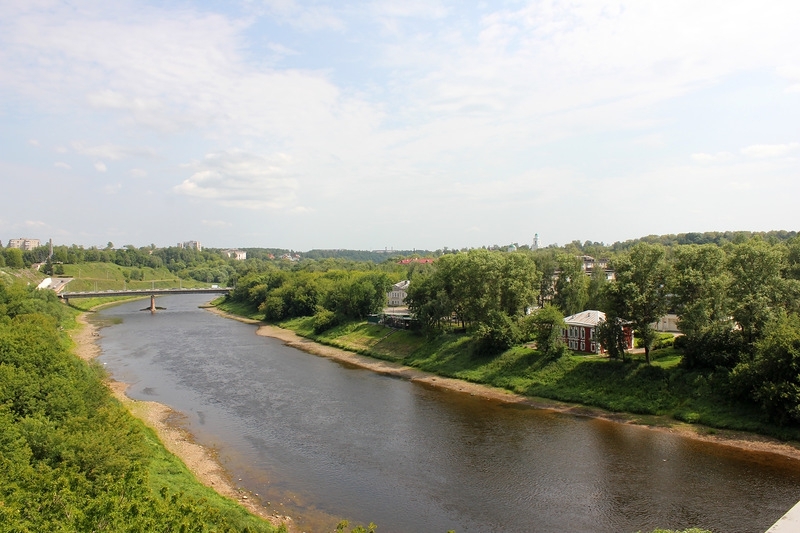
(416,124)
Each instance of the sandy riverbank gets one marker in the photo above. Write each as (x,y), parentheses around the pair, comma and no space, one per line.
(200,460)
(735,439)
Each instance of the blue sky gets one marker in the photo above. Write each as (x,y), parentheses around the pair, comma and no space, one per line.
(416,124)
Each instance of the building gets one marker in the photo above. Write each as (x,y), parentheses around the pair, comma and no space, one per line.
(192,245)
(422,260)
(397,296)
(24,244)
(239,255)
(580,333)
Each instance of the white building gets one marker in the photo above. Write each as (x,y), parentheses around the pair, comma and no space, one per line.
(397,296)
(193,245)
(24,244)
(239,255)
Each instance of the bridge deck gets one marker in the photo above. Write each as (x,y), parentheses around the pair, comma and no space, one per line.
(142,292)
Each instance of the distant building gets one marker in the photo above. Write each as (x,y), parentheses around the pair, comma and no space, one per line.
(424,260)
(191,245)
(535,242)
(24,244)
(239,255)
(580,334)
(397,296)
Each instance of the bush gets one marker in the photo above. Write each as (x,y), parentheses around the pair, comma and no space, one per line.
(663,340)
(721,346)
(497,334)
(325,320)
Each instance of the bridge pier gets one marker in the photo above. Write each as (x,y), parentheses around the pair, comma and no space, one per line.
(152,303)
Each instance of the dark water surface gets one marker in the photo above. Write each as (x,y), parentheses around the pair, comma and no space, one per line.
(321,441)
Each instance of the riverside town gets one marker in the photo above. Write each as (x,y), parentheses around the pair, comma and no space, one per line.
(687,344)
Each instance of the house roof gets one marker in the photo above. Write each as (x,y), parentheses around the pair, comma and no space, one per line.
(585,318)
(401,286)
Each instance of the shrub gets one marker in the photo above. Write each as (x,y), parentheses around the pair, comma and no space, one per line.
(325,320)
(497,334)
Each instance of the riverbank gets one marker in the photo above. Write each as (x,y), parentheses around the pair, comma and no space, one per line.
(734,439)
(201,461)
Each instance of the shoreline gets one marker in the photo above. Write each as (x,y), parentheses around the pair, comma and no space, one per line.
(749,442)
(162,419)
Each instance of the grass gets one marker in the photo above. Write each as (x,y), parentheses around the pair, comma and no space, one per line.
(167,470)
(110,276)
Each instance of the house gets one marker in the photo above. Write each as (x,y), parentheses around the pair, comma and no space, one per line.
(580,334)
(397,296)
(239,255)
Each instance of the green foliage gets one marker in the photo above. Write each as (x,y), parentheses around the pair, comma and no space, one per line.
(611,335)
(71,457)
(497,333)
(472,287)
(571,287)
(772,377)
(13,258)
(544,326)
(325,320)
(639,293)
(660,341)
(340,528)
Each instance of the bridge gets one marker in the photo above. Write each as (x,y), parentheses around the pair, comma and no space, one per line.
(142,292)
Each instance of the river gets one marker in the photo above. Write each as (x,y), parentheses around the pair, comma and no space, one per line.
(320,440)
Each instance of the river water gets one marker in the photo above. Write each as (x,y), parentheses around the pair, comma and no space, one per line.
(320,441)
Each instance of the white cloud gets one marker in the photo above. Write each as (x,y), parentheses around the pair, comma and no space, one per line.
(111,151)
(100,166)
(217,223)
(137,173)
(33,142)
(35,224)
(61,164)
(712,158)
(770,150)
(243,180)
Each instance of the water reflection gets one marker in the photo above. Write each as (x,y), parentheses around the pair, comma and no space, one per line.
(329,441)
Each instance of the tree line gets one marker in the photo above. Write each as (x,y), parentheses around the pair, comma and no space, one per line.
(738,304)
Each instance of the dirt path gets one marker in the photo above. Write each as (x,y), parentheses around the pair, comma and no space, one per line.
(200,460)
(735,439)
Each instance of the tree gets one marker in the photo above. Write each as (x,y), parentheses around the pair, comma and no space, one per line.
(772,378)
(611,335)
(545,326)
(571,287)
(639,293)
(756,285)
(700,280)
(595,292)
(14,258)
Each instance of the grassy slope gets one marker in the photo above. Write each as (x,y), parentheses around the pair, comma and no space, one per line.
(663,389)
(106,276)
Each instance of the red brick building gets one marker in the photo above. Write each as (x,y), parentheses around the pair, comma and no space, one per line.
(580,334)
